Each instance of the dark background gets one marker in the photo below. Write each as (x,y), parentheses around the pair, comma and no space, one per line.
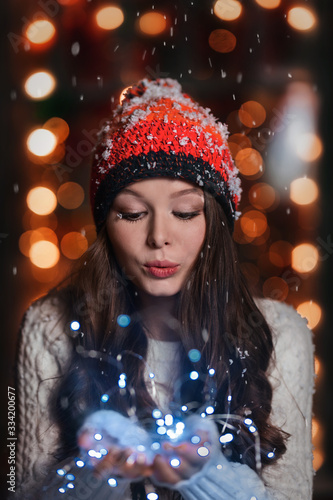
(267,50)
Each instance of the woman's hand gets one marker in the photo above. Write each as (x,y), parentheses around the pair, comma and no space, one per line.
(178,462)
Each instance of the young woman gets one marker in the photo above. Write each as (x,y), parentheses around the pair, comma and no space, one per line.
(154,373)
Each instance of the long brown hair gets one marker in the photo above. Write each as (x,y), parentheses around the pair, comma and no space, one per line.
(216,316)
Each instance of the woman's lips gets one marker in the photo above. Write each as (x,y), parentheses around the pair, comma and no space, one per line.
(161,269)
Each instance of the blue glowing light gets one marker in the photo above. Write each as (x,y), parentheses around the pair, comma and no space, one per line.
(156,413)
(209,410)
(175,462)
(62,490)
(80,463)
(105,398)
(140,447)
(211,372)
(203,451)
(70,485)
(98,436)
(161,430)
(151,375)
(61,472)
(160,421)
(195,439)
(155,446)
(123,320)
(226,438)
(194,375)
(252,428)
(122,383)
(70,477)
(194,355)
(103,451)
(229,397)
(248,421)
(271,454)
(184,408)
(112,482)
(152,496)
(75,326)
(168,419)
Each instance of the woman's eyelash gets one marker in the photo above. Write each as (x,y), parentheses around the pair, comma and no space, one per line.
(135,216)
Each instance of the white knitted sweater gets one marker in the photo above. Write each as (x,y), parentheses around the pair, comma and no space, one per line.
(44,353)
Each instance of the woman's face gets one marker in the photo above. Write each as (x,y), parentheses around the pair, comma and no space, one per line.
(157,228)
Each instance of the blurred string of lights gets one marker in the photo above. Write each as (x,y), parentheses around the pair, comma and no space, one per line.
(45,145)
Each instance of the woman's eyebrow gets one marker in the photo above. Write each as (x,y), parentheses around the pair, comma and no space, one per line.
(173,195)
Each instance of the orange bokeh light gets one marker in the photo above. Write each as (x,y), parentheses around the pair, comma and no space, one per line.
(304,258)
(252,114)
(311,311)
(301,18)
(40,31)
(253,223)
(39,85)
(70,195)
(236,142)
(73,245)
(262,196)
(152,23)
(303,191)
(227,10)
(44,254)
(309,147)
(280,253)
(41,200)
(41,142)
(269,4)
(109,17)
(249,162)
(222,40)
(275,288)
(58,127)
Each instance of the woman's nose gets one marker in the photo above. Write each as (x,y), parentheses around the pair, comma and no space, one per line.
(159,231)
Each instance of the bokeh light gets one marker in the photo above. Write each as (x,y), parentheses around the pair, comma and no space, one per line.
(303,191)
(269,4)
(249,162)
(40,31)
(227,10)
(41,200)
(262,196)
(222,40)
(109,17)
(41,142)
(40,85)
(152,23)
(236,142)
(311,311)
(73,245)
(70,195)
(252,114)
(280,253)
(58,127)
(253,223)
(275,288)
(28,238)
(304,258)
(308,146)
(44,254)
(301,18)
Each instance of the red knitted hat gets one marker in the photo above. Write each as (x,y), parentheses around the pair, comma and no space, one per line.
(160,131)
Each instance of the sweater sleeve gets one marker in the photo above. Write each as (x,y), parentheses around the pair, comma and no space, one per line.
(43,352)
(292,378)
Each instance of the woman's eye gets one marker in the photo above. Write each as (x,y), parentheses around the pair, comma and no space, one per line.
(130,216)
(186,215)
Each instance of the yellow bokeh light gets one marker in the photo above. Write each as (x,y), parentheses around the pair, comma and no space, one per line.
(70,195)
(253,223)
(309,147)
(41,200)
(228,10)
(304,258)
(152,23)
(73,245)
(41,31)
(311,311)
(249,162)
(252,114)
(58,127)
(222,41)
(301,18)
(39,85)
(41,142)
(303,191)
(269,4)
(44,254)
(110,17)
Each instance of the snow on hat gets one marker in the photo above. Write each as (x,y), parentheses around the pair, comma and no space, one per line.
(158,131)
